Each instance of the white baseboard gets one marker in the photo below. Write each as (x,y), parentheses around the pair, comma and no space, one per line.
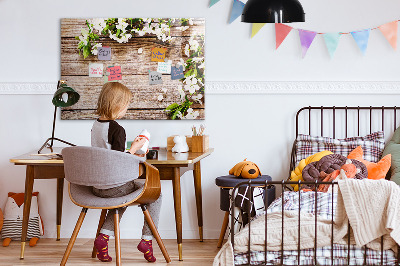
(248,87)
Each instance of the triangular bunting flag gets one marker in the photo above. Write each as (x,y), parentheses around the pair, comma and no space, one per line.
(213,2)
(389,30)
(281,31)
(237,9)
(255,28)
(361,38)
(306,39)
(332,41)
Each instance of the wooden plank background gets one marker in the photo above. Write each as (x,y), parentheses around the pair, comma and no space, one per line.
(135,67)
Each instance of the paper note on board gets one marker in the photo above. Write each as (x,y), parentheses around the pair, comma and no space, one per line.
(114,73)
(177,72)
(104,53)
(95,70)
(155,78)
(158,54)
(164,67)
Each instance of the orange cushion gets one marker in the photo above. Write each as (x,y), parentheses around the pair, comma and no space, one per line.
(375,170)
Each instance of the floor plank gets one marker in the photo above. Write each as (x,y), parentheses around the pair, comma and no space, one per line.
(50,252)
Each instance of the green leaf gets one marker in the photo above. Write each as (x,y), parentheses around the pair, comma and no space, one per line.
(86,51)
(171,107)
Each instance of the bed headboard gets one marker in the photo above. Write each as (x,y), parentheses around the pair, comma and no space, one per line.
(344,121)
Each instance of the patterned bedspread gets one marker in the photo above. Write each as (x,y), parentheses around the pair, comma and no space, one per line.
(306,202)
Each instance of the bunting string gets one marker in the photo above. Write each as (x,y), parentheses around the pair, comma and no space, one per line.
(361,37)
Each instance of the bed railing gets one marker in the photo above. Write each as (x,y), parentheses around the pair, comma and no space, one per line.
(265,185)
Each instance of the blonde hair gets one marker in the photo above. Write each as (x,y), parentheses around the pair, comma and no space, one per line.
(113,98)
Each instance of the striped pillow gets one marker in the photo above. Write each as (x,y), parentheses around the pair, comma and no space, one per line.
(372,145)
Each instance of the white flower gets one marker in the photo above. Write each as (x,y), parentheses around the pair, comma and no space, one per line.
(183,28)
(192,114)
(140,50)
(95,48)
(98,24)
(198,59)
(197,97)
(179,115)
(181,93)
(187,50)
(160,97)
(122,24)
(164,90)
(181,62)
(194,45)
(201,66)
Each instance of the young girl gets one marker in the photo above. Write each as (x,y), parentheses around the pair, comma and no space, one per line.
(107,133)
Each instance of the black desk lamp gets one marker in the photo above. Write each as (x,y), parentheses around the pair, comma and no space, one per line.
(273,11)
(64,96)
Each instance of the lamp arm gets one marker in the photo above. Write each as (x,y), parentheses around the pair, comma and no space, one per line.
(54,126)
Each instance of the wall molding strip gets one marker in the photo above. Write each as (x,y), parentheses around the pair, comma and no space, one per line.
(248,87)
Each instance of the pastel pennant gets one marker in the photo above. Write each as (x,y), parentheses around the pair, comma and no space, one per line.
(306,39)
(213,2)
(361,37)
(237,9)
(256,27)
(332,41)
(389,30)
(281,31)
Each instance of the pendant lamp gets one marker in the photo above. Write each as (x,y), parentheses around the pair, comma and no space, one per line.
(64,97)
(273,11)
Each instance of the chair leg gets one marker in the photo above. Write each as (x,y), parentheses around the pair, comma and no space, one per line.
(154,230)
(117,238)
(223,229)
(73,237)
(101,222)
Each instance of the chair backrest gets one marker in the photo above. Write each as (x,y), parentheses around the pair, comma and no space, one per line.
(92,166)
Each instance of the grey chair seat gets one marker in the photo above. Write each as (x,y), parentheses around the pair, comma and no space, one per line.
(83,196)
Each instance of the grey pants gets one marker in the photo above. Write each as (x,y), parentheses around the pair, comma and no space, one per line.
(154,208)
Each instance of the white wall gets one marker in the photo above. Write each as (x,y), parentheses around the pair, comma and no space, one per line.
(258,126)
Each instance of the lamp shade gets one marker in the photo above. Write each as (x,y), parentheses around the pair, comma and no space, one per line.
(273,11)
(65,96)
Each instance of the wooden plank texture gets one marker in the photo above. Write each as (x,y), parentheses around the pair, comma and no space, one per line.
(135,67)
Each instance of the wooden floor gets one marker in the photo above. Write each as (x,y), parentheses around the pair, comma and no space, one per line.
(50,252)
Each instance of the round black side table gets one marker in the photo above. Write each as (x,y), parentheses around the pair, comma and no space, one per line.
(228,182)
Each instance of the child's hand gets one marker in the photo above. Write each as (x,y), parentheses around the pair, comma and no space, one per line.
(137,144)
(143,155)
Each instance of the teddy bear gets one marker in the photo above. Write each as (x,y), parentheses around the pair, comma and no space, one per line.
(13,215)
(245,169)
(180,144)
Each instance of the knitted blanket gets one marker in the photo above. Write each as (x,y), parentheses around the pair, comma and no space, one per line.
(371,207)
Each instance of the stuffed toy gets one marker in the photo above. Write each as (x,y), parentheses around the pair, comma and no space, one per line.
(296,174)
(13,215)
(245,169)
(328,164)
(348,170)
(180,144)
(375,170)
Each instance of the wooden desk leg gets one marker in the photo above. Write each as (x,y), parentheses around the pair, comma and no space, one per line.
(176,183)
(199,204)
(60,190)
(27,206)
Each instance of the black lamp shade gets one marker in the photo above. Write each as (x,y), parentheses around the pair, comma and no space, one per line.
(273,11)
(73,96)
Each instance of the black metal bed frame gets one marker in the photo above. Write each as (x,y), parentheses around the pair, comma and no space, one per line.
(283,184)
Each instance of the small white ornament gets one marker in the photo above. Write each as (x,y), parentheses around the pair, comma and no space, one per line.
(140,50)
(160,97)
(180,144)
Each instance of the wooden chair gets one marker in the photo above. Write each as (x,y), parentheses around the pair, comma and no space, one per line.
(85,167)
